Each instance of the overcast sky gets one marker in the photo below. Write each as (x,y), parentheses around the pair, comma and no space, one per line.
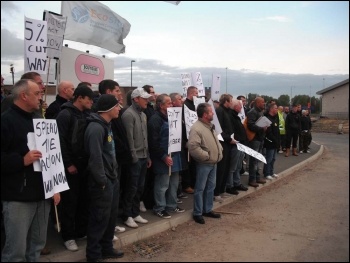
(269,48)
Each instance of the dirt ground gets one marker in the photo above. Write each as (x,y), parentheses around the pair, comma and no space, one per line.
(301,217)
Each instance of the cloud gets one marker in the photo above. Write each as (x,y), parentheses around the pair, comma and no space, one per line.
(281,19)
(11,46)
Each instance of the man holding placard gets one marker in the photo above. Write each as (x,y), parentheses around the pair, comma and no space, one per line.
(25,209)
(165,183)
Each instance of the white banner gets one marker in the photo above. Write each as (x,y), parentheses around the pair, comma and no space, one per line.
(175,129)
(93,23)
(190,118)
(251,152)
(56,25)
(215,121)
(198,83)
(197,101)
(35,40)
(242,113)
(47,141)
(185,82)
(215,87)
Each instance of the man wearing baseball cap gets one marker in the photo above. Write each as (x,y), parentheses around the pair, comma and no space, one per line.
(135,123)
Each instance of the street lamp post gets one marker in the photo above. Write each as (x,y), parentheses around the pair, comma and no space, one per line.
(12,71)
(226,80)
(131,70)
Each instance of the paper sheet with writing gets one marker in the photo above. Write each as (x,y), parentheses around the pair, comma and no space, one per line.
(263,122)
(251,152)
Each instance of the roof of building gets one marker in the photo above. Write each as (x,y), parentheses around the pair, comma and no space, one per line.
(342,83)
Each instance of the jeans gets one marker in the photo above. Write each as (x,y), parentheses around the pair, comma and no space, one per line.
(25,230)
(204,188)
(234,178)
(253,163)
(165,191)
(270,161)
(134,189)
(103,213)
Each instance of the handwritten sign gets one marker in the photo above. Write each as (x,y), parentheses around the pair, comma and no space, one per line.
(197,101)
(48,143)
(198,83)
(175,129)
(56,25)
(190,118)
(185,83)
(215,87)
(251,152)
(241,114)
(35,40)
(215,120)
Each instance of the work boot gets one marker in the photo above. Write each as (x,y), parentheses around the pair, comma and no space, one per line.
(295,153)
(287,152)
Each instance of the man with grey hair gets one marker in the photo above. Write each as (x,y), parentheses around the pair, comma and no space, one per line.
(22,188)
(205,148)
(65,92)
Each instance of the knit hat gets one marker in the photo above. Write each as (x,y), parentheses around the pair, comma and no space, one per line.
(106,102)
(139,92)
(84,91)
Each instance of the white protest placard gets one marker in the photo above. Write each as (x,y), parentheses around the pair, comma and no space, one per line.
(190,118)
(215,87)
(56,25)
(216,122)
(35,41)
(48,143)
(185,83)
(32,146)
(197,101)
(263,121)
(251,152)
(241,114)
(198,83)
(175,129)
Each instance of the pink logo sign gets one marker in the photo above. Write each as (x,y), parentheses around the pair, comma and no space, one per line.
(89,69)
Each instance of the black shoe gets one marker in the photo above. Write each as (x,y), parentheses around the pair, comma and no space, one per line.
(212,214)
(241,187)
(199,219)
(112,254)
(94,260)
(232,191)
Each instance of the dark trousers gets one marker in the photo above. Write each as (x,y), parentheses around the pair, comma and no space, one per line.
(134,189)
(102,217)
(188,175)
(73,207)
(222,169)
(292,135)
(283,141)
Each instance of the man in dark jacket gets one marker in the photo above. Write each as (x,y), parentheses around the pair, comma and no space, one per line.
(258,141)
(73,208)
(65,92)
(292,130)
(25,209)
(102,181)
(236,156)
(272,141)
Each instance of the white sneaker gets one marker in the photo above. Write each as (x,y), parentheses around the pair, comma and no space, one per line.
(141,220)
(301,152)
(245,173)
(142,207)
(119,229)
(131,223)
(269,177)
(71,245)
(115,238)
(218,199)
(308,151)
(275,175)
(280,151)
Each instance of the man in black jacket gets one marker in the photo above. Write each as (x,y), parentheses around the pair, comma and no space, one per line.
(25,209)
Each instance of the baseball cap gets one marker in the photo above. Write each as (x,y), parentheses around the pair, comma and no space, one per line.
(139,92)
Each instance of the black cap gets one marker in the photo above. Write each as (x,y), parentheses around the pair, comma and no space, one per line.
(83,91)
(106,102)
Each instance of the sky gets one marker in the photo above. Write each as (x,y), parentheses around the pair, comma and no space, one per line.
(268,48)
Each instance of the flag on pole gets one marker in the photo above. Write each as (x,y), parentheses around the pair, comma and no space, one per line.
(93,23)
